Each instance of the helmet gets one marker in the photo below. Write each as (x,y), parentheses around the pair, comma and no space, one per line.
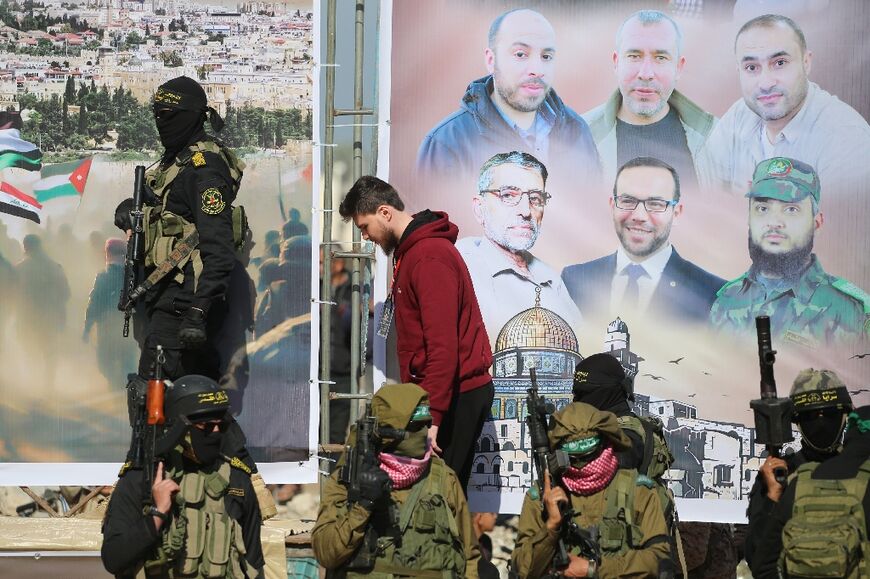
(190,398)
(819,389)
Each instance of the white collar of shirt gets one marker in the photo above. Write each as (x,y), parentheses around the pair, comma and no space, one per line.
(654,267)
(497,262)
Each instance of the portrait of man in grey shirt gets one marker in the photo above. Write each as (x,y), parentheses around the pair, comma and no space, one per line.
(509,205)
(783,114)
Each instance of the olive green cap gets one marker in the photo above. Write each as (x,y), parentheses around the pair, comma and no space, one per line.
(814,389)
(784,179)
(579,421)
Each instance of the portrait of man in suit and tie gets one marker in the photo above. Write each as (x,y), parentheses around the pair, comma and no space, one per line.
(645,276)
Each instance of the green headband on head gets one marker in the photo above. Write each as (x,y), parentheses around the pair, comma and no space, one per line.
(582,446)
(855,421)
(421,412)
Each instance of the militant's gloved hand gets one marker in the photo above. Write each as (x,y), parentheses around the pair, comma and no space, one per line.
(374,486)
(192,333)
(122,214)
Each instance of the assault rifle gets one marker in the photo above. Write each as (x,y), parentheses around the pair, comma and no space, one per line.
(146,406)
(133,262)
(555,463)
(360,457)
(772,414)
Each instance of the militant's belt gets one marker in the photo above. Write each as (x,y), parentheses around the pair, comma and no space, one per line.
(180,252)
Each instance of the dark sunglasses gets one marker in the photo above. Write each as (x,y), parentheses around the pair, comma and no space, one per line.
(210,425)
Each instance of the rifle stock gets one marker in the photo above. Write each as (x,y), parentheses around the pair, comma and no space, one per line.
(133,262)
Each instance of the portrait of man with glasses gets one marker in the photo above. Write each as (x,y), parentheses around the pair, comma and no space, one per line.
(645,276)
(509,204)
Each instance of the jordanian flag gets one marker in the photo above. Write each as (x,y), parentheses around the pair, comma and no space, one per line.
(17,203)
(62,180)
(18,153)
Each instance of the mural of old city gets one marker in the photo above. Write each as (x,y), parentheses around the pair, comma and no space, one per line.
(713,460)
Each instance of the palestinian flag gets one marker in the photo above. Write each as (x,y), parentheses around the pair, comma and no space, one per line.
(62,180)
(18,153)
(17,203)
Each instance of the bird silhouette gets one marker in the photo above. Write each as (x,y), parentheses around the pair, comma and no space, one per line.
(706,373)
(859,391)
(677,361)
(859,356)
(655,377)
(692,395)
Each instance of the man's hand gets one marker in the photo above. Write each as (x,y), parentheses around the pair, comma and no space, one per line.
(768,475)
(162,492)
(432,435)
(374,485)
(577,567)
(552,498)
(191,333)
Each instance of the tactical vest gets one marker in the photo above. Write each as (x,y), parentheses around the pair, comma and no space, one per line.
(426,540)
(827,533)
(165,230)
(657,458)
(203,540)
(618,532)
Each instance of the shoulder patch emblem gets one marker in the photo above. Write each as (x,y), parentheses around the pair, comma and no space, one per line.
(643,480)
(236,462)
(198,159)
(212,201)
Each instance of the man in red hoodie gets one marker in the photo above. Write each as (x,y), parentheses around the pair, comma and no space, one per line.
(441,339)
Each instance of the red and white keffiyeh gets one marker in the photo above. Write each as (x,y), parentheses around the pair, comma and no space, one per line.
(402,470)
(592,477)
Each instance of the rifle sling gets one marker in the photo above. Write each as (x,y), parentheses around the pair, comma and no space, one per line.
(180,252)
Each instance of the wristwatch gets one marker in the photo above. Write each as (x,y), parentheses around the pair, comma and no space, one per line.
(154,512)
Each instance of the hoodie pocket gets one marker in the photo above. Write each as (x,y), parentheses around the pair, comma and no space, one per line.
(410,365)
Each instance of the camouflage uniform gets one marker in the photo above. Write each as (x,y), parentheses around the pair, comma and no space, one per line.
(639,551)
(436,533)
(813,309)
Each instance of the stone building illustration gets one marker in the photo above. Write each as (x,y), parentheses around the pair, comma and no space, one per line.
(713,460)
(534,338)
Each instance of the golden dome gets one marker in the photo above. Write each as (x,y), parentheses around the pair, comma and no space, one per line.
(537,327)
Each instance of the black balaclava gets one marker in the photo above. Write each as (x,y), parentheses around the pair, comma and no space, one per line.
(201,446)
(599,381)
(188,110)
(822,431)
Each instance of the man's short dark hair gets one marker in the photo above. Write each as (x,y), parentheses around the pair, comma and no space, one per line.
(771,20)
(520,158)
(366,195)
(650,162)
(496,25)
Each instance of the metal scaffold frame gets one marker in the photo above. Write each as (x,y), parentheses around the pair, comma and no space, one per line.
(359,255)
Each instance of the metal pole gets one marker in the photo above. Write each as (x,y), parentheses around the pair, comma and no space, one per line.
(326,275)
(356,272)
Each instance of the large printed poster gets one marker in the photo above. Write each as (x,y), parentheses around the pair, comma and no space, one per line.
(76,83)
(738,134)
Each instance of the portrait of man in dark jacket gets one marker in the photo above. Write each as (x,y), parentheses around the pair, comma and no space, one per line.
(513,108)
